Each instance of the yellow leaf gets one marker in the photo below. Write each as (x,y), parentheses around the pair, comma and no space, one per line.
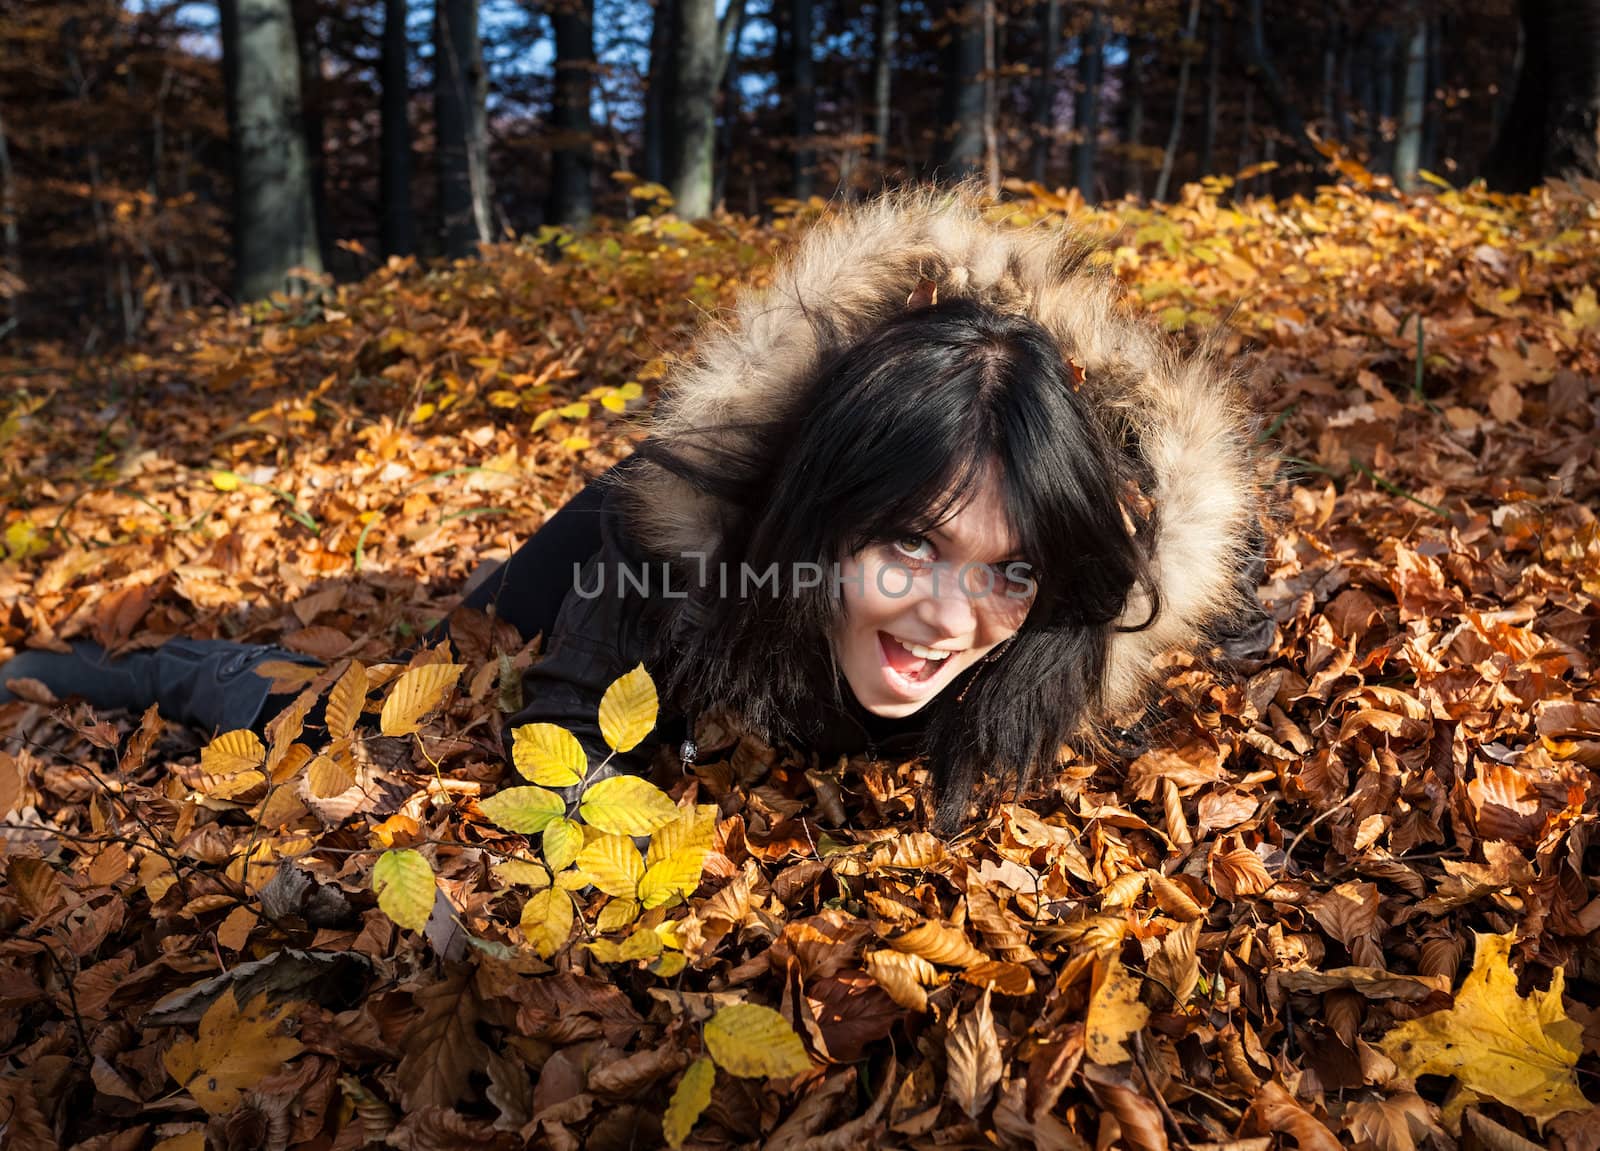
(404,883)
(677,875)
(233,751)
(235,1051)
(613,864)
(605,950)
(750,1040)
(577,410)
(626,805)
(630,390)
(689,1099)
(628,710)
(571,880)
(1115,1014)
(693,827)
(542,420)
(230,786)
(563,839)
(504,399)
(527,810)
(668,964)
(575,443)
(225,481)
(548,754)
(616,915)
(1518,1051)
(522,871)
(189,1141)
(642,944)
(414,695)
(547,921)
(423,411)
(346,699)
(328,777)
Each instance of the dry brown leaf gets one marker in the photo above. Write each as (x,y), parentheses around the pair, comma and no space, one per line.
(972,1055)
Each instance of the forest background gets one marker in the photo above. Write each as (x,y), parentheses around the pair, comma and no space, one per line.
(159,154)
(264,379)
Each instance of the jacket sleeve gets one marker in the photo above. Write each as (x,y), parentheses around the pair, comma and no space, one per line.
(598,635)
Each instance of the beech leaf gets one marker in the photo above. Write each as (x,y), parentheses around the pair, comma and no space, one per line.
(689,1099)
(403,880)
(548,754)
(414,695)
(749,1040)
(628,710)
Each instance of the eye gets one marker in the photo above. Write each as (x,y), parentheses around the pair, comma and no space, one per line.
(917,548)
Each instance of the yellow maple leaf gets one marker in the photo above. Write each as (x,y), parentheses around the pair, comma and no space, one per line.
(1518,1051)
(236,1049)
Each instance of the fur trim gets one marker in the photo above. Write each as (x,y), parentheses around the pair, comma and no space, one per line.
(1188,415)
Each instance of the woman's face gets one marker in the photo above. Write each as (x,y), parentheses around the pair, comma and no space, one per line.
(920,611)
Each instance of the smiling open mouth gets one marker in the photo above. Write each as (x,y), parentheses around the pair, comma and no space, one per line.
(911,664)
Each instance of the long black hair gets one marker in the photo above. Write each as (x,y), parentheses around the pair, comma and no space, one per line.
(894,432)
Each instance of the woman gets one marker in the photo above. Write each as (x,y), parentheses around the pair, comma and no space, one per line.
(931,491)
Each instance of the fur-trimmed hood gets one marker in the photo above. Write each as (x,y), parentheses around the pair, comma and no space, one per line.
(1188,415)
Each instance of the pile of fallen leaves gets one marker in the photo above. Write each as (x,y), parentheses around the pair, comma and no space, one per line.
(1348,895)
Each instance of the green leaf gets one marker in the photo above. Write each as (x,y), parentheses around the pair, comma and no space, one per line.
(403,881)
(627,805)
(527,810)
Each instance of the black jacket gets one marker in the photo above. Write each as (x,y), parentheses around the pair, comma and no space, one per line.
(564,584)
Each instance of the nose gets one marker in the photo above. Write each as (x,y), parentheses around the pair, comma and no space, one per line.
(946,609)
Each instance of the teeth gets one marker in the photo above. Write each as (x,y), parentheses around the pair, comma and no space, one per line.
(921,652)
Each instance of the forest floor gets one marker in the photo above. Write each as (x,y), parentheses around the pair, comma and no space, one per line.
(1348,898)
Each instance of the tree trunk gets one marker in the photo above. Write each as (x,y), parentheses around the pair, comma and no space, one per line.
(1208,140)
(1272,87)
(274,225)
(398,226)
(658,95)
(572,165)
(693,108)
(1408,144)
(1550,129)
(460,86)
(1086,109)
(11,282)
(963,89)
(1133,118)
(312,100)
(883,78)
(1175,132)
(1043,112)
(803,74)
(730,105)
